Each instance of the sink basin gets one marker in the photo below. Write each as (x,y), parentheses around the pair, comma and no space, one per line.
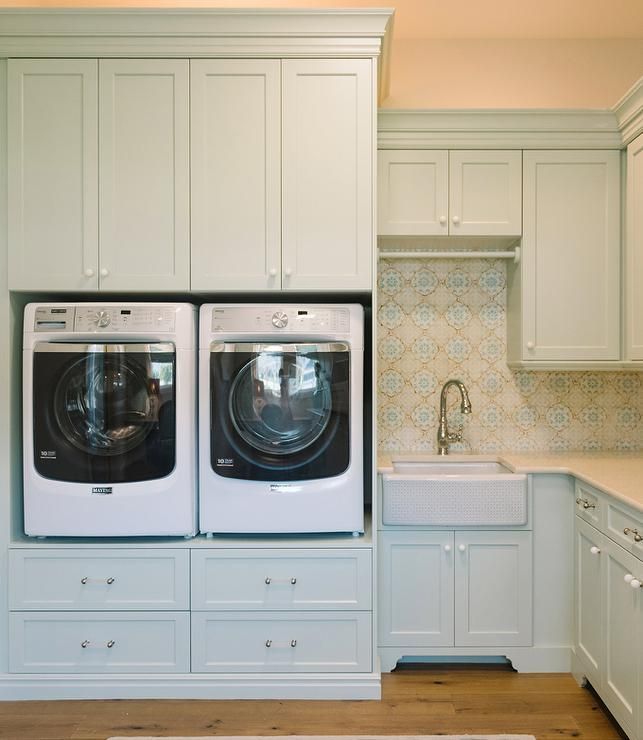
(452,467)
(454,493)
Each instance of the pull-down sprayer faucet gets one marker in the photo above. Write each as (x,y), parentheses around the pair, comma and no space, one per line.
(444,436)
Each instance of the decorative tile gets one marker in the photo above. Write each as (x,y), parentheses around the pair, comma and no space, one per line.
(443,319)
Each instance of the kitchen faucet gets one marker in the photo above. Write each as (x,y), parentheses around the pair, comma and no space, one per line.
(444,436)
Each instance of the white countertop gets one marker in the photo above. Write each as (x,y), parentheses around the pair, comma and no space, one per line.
(619,474)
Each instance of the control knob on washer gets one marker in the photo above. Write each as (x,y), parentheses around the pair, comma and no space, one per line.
(279,319)
(102,319)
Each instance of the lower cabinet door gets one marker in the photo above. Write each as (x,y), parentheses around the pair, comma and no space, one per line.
(416,589)
(125,642)
(589,606)
(620,689)
(249,642)
(493,588)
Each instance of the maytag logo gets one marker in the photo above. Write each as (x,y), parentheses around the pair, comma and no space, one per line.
(102,490)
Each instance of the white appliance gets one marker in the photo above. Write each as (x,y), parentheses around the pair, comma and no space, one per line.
(109,407)
(280,418)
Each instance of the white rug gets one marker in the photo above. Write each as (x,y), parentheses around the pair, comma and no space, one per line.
(329,737)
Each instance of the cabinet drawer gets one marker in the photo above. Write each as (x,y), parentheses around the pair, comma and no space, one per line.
(99,579)
(281,579)
(54,642)
(625,526)
(277,642)
(590,505)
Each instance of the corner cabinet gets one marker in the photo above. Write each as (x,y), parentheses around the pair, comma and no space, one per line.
(609,604)
(98,174)
(449,193)
(570,266)
(282,175)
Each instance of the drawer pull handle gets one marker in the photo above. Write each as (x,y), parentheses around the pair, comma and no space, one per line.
(85,580)
(87,643)
(635,532)
(292,644)
(586,504)
(269,580)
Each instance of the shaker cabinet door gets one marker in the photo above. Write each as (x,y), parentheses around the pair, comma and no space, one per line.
(144,175)
(634,252)
(236,174)
(53,174)
(571,256)
(327,177)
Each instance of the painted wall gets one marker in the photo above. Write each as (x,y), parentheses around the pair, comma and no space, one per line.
(512,73)
(442,319)
(496,54)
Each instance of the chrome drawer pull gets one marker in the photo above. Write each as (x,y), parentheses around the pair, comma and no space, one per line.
(586,503)
(85,580)
(87,643)
(292,644)
(635,532)
(269,580)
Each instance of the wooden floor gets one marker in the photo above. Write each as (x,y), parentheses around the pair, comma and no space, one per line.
(414,702)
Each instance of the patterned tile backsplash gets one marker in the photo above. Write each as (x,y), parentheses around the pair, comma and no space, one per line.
(446,318)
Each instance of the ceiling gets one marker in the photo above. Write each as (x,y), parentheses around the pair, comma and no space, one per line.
(444,19)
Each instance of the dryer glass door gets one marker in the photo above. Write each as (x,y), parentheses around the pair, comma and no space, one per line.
(280,411)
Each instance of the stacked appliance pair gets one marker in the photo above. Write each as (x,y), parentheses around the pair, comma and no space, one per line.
(110,443)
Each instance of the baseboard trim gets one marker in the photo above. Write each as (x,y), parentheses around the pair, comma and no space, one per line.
(17,687)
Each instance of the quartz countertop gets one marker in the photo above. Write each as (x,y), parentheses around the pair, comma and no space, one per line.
(615,473)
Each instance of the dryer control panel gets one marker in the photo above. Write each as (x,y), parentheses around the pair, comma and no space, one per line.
(277,319)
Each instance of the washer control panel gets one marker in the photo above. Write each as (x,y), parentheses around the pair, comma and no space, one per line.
(272,319)
(99,318)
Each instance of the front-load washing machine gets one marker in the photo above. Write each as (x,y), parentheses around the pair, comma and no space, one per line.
(109,419)
(280,418)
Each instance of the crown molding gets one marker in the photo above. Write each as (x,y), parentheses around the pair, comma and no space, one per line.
(498,129)
(629,112)
(142,32)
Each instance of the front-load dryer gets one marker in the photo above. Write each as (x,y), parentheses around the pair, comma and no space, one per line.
(280,418)
(109,419)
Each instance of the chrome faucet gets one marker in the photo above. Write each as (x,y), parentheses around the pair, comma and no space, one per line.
(444,436)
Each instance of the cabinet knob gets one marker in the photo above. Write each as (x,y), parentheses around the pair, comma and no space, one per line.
(628,578)
(447,548)
(530,345)
(456,220)
(635,583)
(288,271)
(462,548)
(595,550)
(272,272)
(443,220)
(89,272)
(104,272)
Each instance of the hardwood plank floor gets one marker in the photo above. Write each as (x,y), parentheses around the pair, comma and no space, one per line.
(414,702)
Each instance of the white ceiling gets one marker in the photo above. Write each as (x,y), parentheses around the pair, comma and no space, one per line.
(598,19)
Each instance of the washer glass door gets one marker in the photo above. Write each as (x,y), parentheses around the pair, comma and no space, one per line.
(104,412)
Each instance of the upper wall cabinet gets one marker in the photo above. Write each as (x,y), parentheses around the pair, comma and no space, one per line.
(634,252)
(282,176)
(568,306)
(455,193)
(98,187)
(53,174)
